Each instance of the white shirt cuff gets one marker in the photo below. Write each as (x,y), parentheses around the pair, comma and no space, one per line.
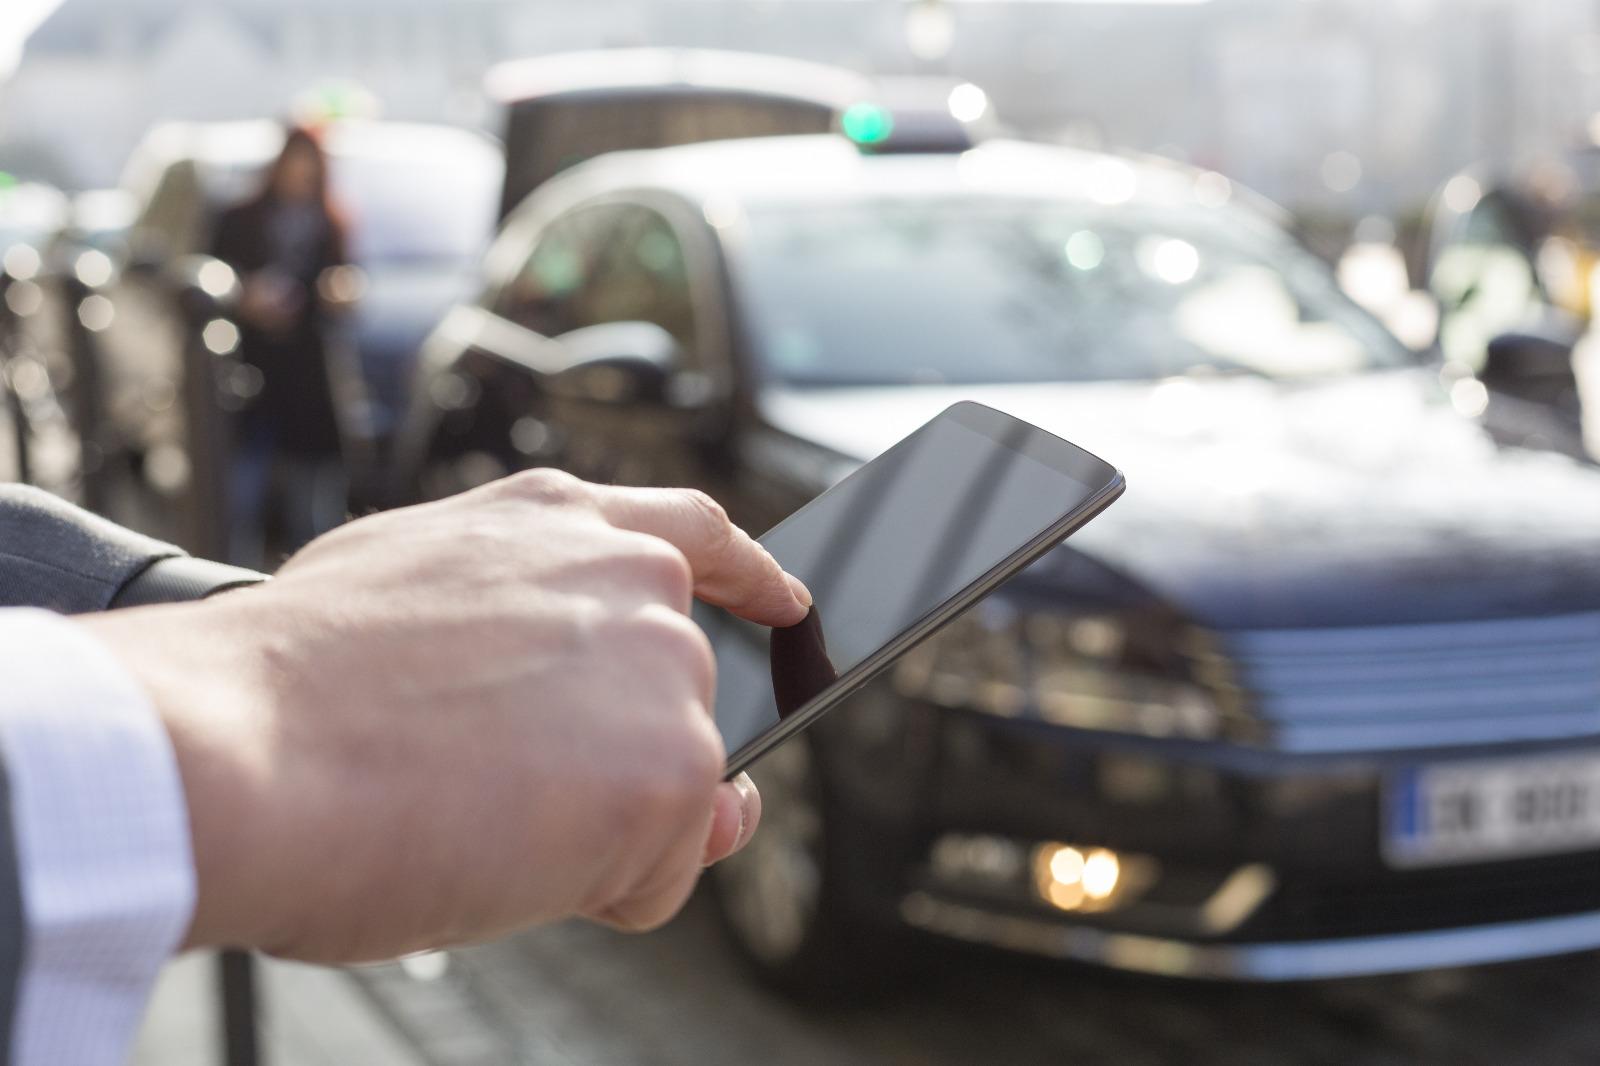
(102,840)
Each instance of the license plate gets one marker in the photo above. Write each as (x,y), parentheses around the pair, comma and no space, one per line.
(1446,813)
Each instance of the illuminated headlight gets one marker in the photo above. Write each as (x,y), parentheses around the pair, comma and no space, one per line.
(1074,878)
(1068,877)
(1081,671)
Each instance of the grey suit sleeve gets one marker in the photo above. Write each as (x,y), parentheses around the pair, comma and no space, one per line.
(55,556)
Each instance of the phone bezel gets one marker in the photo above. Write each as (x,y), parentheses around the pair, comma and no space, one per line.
(1006,431)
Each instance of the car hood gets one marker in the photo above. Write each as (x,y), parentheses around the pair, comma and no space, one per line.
(1257,504)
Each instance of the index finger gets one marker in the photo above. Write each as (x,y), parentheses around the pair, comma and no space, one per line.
(730,569)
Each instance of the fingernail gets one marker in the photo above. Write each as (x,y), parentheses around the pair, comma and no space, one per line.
(799,589)
(746,789)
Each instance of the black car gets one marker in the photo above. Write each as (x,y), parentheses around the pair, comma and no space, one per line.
(564,109)
(1320,696)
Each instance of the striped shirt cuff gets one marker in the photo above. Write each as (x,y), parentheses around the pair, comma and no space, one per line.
(102,841)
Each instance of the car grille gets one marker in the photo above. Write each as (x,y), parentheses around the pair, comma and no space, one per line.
(1445,898)
(1415,686)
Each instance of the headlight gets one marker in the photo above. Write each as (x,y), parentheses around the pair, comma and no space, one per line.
(1086,671)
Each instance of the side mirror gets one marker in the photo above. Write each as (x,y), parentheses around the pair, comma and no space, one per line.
(624,363)
(1535,367)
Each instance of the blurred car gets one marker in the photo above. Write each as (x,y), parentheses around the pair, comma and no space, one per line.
(29,212)
(561,110)
(421,203)
(1511,259)
(1320,696)
(37,444)
(101,219)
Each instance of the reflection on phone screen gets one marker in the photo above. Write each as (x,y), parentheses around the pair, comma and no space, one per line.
(801,669)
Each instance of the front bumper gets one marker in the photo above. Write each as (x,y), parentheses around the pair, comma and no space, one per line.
(1309,827)
(1281,961)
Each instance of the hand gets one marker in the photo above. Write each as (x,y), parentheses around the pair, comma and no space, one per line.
(341,288)
(270,302)
(444,723)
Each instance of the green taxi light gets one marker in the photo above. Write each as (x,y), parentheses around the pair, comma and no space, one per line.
(8,181)
(866,124)
(335,104)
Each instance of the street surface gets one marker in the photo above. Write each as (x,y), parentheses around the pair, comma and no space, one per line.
(314,1017)
(582,996)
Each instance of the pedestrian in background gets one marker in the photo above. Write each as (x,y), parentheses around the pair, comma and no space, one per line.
(288,471)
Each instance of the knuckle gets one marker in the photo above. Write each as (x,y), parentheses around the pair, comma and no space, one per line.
(664,567)
(684,771)
(681,642)
(545,485)
(657,631)
(696,767)
(693,648)
(585,626)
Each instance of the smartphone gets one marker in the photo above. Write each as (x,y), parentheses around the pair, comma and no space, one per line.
(892,553)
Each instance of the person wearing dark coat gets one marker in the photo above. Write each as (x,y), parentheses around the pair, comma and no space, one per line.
(283,243)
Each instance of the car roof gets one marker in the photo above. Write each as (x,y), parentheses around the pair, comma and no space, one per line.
(629,70)
(778,171)
(31,211)
(221,148)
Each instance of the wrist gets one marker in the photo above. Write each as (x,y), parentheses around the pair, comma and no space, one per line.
(205,673)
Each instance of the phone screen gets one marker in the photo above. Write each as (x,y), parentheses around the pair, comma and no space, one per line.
(889,545)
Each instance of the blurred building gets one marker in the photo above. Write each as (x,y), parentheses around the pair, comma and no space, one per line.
(97,73)
(1342,105)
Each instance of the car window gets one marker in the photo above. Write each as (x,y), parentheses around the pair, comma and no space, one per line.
(605,263)
(550,294)
(969,291)
(645,277)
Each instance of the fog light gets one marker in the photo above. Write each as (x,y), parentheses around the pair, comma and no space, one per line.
(1101,872)
(1079,879)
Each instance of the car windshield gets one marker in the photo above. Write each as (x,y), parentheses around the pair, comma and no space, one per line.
(964,292)
(418,210)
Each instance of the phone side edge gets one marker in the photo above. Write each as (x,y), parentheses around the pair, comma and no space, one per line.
(926,626)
